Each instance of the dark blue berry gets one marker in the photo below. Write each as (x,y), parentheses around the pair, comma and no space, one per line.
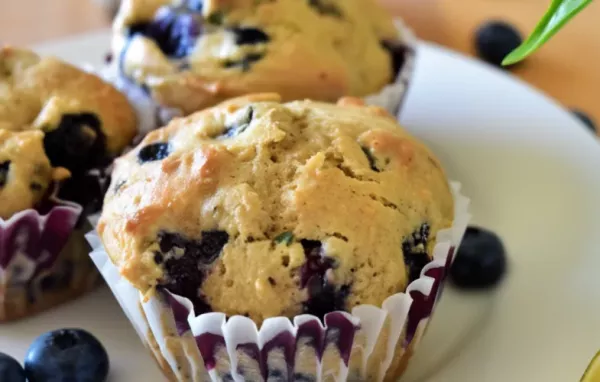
(494,40)
(370,158)
(245,63)
(77,143)
(4,168)
(323,297)
(398,52)
(185,272)
(241,125)
(66,355)
(325,7)
(585,119)
(414,248)
(10,369)
(85,189)
(154,152)
(249,36)
(480,261)
(174,29)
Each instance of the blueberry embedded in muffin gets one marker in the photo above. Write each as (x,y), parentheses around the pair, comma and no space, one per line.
(26,174)
(86,121)
(284,218)
(193,54)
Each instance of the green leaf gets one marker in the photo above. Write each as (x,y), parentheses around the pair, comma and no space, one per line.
(285,238)
(556,17)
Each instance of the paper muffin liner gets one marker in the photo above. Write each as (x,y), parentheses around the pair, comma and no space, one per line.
(392,96)
(369,344)
(43,259)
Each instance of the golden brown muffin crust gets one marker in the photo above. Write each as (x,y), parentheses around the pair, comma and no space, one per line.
(317,49)
(35,93)
(264,208)
(25,171)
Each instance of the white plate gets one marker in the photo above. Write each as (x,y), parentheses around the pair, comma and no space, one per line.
(532,173)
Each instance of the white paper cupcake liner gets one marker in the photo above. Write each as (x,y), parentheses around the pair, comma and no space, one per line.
(392,96)
(43,259)
(368,344)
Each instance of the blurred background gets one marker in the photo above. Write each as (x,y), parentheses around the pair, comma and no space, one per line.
(567,68)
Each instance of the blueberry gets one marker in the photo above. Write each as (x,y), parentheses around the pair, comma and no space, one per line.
(186,262)
(480,261)
(66,355)
(325,7)
(249,36)
(174,29)
(494,40)
(10,369)
(242,124)
(583,117)
(86,190)
(4,168)
(323,297)
(245,63)
(398,52)
(370,158)
(414,248)
(77,143)
(154,152)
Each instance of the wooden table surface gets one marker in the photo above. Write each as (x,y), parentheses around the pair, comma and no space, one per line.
(567,68)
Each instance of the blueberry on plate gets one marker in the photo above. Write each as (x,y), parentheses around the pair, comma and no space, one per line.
(480,261)
(585,118)
(494,40)
(66,355)
(10,369)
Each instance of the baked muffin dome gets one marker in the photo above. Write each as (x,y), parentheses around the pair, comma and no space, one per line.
(84,119)
(262,208)
(25,171)
(191,54)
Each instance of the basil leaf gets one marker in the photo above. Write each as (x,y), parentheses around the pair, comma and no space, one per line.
(285,238)
(556,17)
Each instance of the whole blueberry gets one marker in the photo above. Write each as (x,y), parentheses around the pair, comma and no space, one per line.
(494,40)
(585,118)
(66,355)
(10,369)
(480,261)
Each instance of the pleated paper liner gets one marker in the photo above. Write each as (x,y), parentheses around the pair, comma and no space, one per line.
(369,344)
(43,259)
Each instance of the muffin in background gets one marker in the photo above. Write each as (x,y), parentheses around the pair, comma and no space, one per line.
(264,211)
(192,54)
(59,127)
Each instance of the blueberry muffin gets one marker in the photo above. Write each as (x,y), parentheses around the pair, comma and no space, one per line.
(262,208)
(59,128)
(191,54)
(85,120)
(25,171)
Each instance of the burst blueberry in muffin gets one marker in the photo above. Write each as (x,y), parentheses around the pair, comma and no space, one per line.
(264,209)
(191,54)
(85,120)
(57,124)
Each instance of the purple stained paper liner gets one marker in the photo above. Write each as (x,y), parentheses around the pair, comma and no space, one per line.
(370,343)
(392,96)
(42,261)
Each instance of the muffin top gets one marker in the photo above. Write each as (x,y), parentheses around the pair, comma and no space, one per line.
(84,119)
(191,54)
(262,208)
(25,171)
